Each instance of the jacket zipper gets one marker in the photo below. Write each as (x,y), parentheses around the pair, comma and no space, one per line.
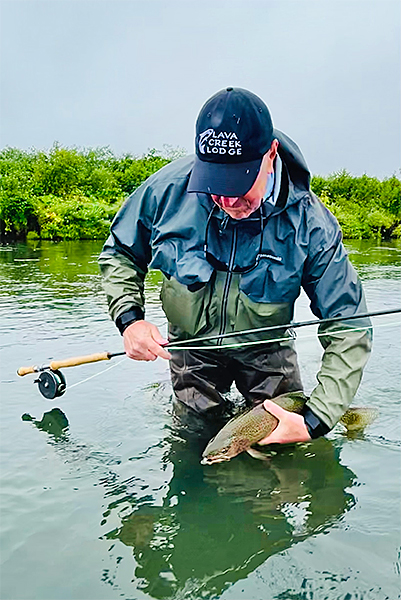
(224,301)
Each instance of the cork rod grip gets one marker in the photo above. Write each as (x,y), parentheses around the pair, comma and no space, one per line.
(79,360)
(26,370)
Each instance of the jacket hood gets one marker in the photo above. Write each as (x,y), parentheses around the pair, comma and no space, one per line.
(294,160)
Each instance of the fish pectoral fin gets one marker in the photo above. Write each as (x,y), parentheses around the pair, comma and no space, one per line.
(257,454)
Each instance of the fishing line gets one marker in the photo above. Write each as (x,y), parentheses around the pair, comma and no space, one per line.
(281,339)
(97,374)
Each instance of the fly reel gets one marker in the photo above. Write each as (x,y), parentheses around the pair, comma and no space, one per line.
(51,384)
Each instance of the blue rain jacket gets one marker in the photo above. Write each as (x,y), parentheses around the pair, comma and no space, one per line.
(223,275)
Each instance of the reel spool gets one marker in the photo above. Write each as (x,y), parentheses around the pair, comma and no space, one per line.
(51,384)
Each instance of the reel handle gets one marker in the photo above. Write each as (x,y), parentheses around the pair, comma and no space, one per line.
(78,360)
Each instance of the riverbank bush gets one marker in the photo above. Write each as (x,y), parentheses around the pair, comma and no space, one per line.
(67,193)
(364,206)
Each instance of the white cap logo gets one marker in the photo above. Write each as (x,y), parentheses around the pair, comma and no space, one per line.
(221,143)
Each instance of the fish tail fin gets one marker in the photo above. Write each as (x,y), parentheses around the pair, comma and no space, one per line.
(356,419)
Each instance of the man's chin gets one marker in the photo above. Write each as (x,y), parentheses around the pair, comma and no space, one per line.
(238,214)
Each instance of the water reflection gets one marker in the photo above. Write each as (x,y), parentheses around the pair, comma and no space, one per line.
(62,269)
(217,524)
(53,422)
(375,260)
(67,269)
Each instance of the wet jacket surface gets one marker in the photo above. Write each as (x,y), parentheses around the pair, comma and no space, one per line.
(223,275)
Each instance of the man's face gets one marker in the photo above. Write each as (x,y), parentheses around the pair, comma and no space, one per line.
(240,207)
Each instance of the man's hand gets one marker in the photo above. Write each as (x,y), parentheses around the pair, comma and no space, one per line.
(142,341)
(291,426)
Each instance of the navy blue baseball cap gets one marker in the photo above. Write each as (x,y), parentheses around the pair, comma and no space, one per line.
(234,130)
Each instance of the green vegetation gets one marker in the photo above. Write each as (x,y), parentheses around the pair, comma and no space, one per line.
(364,206)
(67,193)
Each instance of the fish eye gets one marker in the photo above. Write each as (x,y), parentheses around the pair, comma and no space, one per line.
(224,451)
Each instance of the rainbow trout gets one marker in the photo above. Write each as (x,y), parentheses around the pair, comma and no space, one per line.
(251,426)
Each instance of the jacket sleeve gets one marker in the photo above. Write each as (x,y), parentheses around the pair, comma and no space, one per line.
(127,252)
(334,289)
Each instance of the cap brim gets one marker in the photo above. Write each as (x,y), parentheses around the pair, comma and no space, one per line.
(223,179)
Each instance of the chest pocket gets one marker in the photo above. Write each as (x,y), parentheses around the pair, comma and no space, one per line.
(252,315)
(185,309)
(273,281)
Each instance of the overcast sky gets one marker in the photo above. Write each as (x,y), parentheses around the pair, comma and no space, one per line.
(133,74)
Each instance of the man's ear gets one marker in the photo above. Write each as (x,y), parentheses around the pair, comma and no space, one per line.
(273,149)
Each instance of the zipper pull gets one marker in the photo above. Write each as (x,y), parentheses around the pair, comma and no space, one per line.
(223,224)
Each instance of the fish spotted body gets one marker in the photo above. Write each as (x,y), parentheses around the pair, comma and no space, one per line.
(251,426)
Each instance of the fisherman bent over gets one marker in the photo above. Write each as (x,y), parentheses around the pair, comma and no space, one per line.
(236,232)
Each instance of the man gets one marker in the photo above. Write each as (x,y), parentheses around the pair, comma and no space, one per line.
(236,232)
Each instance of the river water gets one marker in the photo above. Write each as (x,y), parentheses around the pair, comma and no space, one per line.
(102,499)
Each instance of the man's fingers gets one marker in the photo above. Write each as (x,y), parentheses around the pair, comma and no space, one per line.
(146,355)
(158,350)
(142,341)
(160,341)
(291,426)
(135,353)
(157,336)
(146,350)
(274,409)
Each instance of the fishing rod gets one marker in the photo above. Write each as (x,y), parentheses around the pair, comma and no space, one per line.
(294,325)
(52,383)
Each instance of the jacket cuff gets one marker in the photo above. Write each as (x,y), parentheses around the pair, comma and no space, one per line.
(315,426)
(129,317)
